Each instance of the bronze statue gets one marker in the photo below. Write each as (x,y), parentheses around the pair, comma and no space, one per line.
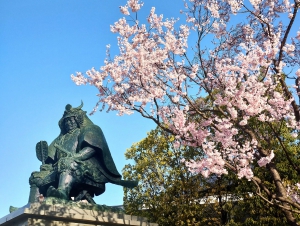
(77,163)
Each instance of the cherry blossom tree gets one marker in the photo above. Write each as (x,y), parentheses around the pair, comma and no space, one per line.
(209,81)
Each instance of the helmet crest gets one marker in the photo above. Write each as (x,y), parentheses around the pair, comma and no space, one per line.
(69,111)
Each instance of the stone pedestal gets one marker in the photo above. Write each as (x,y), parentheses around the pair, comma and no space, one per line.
(37,214)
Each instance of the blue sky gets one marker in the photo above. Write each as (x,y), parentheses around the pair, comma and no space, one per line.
(43,42)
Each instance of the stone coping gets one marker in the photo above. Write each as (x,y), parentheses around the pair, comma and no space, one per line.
(36,214)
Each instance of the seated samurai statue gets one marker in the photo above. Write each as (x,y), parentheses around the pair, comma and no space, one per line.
(77,163)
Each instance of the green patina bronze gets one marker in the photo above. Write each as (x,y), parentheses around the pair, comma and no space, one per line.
(78,163)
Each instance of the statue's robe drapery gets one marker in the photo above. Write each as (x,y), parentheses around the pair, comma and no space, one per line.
(97,170)
(77,163)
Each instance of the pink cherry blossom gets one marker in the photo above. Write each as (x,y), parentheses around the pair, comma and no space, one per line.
(298,73)
(266,160)
(213,97)
(135,5)
(298,35)
(245,172)
(289,49)
(124,10)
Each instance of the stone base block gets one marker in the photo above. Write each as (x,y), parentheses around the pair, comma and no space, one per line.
(37,214)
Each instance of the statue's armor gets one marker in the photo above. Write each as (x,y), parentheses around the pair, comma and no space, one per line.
(63,160)
(93,172)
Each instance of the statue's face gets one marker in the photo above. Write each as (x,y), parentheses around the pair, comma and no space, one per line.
(70,124)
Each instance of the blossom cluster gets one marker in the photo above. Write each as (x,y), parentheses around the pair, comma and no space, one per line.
(293,192)
(235,83)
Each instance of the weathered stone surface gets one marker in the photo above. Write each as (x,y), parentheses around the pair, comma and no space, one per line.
(37,214)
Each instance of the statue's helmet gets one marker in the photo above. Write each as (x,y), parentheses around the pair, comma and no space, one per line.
(77,113)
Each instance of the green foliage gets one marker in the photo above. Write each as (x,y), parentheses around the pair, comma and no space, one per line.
(170,195)
(167,192)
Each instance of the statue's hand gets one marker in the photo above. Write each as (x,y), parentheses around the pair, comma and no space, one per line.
(67,163)
(85,154)
(46,167)
(70,155)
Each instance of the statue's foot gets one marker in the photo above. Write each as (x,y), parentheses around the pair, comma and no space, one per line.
(57,193)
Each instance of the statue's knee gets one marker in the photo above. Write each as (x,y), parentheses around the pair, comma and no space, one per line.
(35,180)
(67,165)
